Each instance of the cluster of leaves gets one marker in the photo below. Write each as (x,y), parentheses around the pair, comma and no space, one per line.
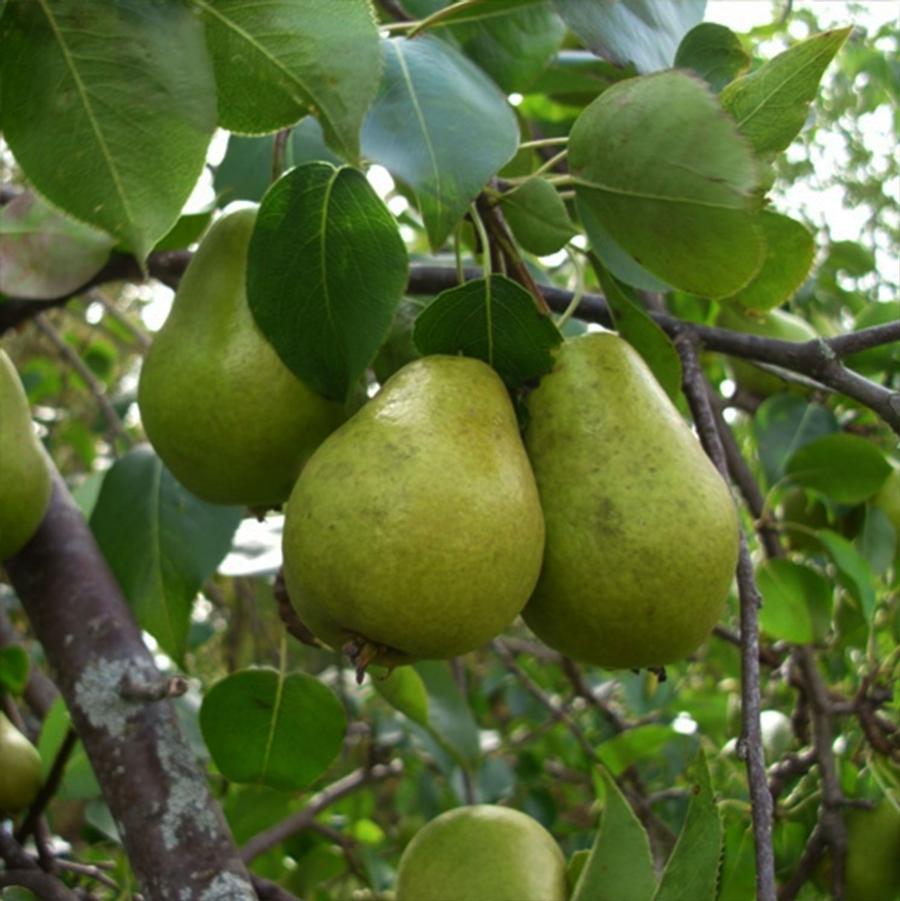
(661,196)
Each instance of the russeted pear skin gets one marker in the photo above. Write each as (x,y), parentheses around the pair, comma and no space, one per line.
(20,769)
(482,853)
(24,476)
(228,418)
(642,533)
(416,526)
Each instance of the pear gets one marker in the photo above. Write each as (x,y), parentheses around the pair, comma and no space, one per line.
(642,533)
(24,476)
(20,769)
(482,852)
(415,530)
(774,324)
(228,418)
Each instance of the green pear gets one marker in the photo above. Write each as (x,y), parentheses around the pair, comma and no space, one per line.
(482,853)
(228,418)
(24,476)
(20,769)
(415,530)
(642,533)
(774,324)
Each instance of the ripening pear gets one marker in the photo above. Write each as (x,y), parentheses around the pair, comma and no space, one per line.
(482,852)
(774,324)
(642,533)
(415,530)
(228,418)
(24,476)
(20,769)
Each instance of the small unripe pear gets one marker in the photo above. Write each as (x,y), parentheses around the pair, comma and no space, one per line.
(20,769)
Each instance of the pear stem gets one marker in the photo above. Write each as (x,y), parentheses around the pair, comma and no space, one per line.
(483,240)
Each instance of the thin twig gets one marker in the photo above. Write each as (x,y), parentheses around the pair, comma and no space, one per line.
(50,786)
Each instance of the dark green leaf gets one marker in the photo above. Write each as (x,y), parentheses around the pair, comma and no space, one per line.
(14,666)
(671,181)
(853,570)
(278,60)
(771,104)
(783,424)
(79,782)
(453,13)
(127,148)
(796,601)
(325,270)
(538,217)
(440,125)
(577,74)
(643,334)
(847,468)
(642,742)
(273,729)
(451,720)
(789,255)
(632,30)
(714,52)
(620,867)
(186,231)
(161,543)
(877,540)
(405,691)
(43,254)
(692,870)
(496,321)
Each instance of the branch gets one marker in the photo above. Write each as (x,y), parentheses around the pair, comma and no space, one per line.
(48,789)
(750,746)
(151,781)
(45,886)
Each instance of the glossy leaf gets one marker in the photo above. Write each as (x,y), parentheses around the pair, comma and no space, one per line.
(644,335)
(796,601)
(272,729)
(877,540)
(440,125)
(496,321)
(642,742)
(126,151)
(784,423)
(405,691)
(771,104)
(14,666)
(853,570)
(442,13)
(632,31)
(847,468)
(693,868)
(277,61)
(44,254)
(450,717)
(538,217)
(713,52)
(671,181)
(161,543)
(620,867)
(325,270)
(789,255)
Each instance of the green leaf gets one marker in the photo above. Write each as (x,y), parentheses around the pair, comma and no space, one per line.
(632,30)
(693,868)
(847,468)
(853,570)
(405,691)
(784,423)
(129,101)
(789,255)
(670,179)
(771,104)
(494,320)
(273,729)
(186,231)
(796,601)
(642,742)
(455,13)
(578,76)
(325,270)
(620,867)
(277,61)
(643,334)
(877,540)
(440,125)
(14,667)
(161,543)
(43,254)
(450,717)
(714,52)
(538,217)
(245,172)
(79,782)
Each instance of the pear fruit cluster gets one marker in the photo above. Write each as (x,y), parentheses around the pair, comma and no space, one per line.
(24,476)
(482,852)
(227,417)
(20,769)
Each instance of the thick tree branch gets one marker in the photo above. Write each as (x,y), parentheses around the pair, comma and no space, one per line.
(150,779)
